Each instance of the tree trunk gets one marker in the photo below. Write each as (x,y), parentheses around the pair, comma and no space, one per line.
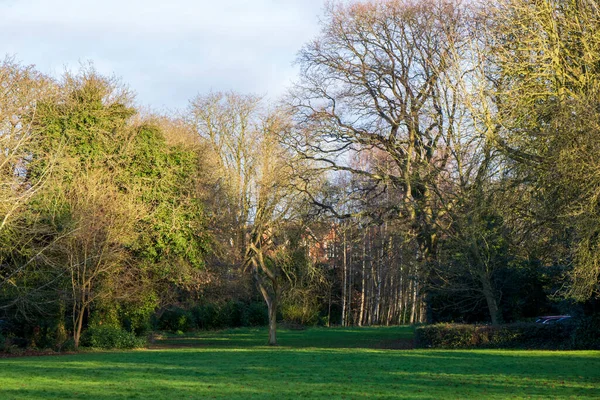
(484,274)
(344,287)
(414,302)
(329,309)
(492,304)
(273,323)
(361,316)
(271,300)
(77,325)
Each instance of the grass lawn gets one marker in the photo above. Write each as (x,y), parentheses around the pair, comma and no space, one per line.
(316,363)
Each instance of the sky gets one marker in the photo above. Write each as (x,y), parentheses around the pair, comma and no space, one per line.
(167,51)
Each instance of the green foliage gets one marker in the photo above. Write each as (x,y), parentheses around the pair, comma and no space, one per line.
(176,319)
(210,316)
(587,334)
(232,314)
(152,182)
(301,309)
(136,317)
(304,284)
(445,336)
(206,316)
(44,332)
(167,178)
(110,337)
(581,334)
(86,120)
(257,314)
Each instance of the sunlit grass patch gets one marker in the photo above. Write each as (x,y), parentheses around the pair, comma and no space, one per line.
(315,363)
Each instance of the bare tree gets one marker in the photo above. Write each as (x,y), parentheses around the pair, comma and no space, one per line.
(543,63)
(256,174)
(95,254)
(20,90)
(228,123)
(376,80)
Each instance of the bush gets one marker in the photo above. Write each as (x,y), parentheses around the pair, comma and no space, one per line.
(68,345)
(587,334)
(257,314)
(110,337)
(2,341)
(232,314)
(447,336)
(206,317)
(176,319)
(229,315)
(300,310)
(559,336)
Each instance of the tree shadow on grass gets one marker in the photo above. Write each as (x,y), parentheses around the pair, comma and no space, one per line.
(312,373)
(365,338)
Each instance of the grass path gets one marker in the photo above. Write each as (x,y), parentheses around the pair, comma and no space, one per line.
(317,363)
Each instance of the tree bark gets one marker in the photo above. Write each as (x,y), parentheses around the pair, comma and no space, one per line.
(361,316)
(345,280)
(271,300)
(490,298)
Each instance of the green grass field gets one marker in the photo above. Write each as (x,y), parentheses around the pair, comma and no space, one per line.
(316,363)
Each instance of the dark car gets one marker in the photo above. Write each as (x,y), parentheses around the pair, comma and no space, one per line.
(552,319)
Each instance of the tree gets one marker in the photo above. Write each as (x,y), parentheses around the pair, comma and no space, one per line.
(228,123)
(87,217)
(544,59)
(273,210)
(20,89)
(163,167)
(377,80)
(95,254)
(256,176)
(121,213)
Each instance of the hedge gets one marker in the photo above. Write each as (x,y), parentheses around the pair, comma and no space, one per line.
(576,334)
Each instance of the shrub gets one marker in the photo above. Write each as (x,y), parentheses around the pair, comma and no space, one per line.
(232,314)
(68,345)
(61,337)
(587,334)
(257,314)
(450,336)
(206,316)
(110,337)
(176,319)
(300,310)
(2,341)
(559,336)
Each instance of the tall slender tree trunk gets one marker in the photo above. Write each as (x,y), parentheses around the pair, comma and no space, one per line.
(361,316)
(350,320)
(413,312)
(345,279)
(329,309)
(391,302)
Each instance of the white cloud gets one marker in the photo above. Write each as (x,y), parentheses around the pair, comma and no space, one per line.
(167,51)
